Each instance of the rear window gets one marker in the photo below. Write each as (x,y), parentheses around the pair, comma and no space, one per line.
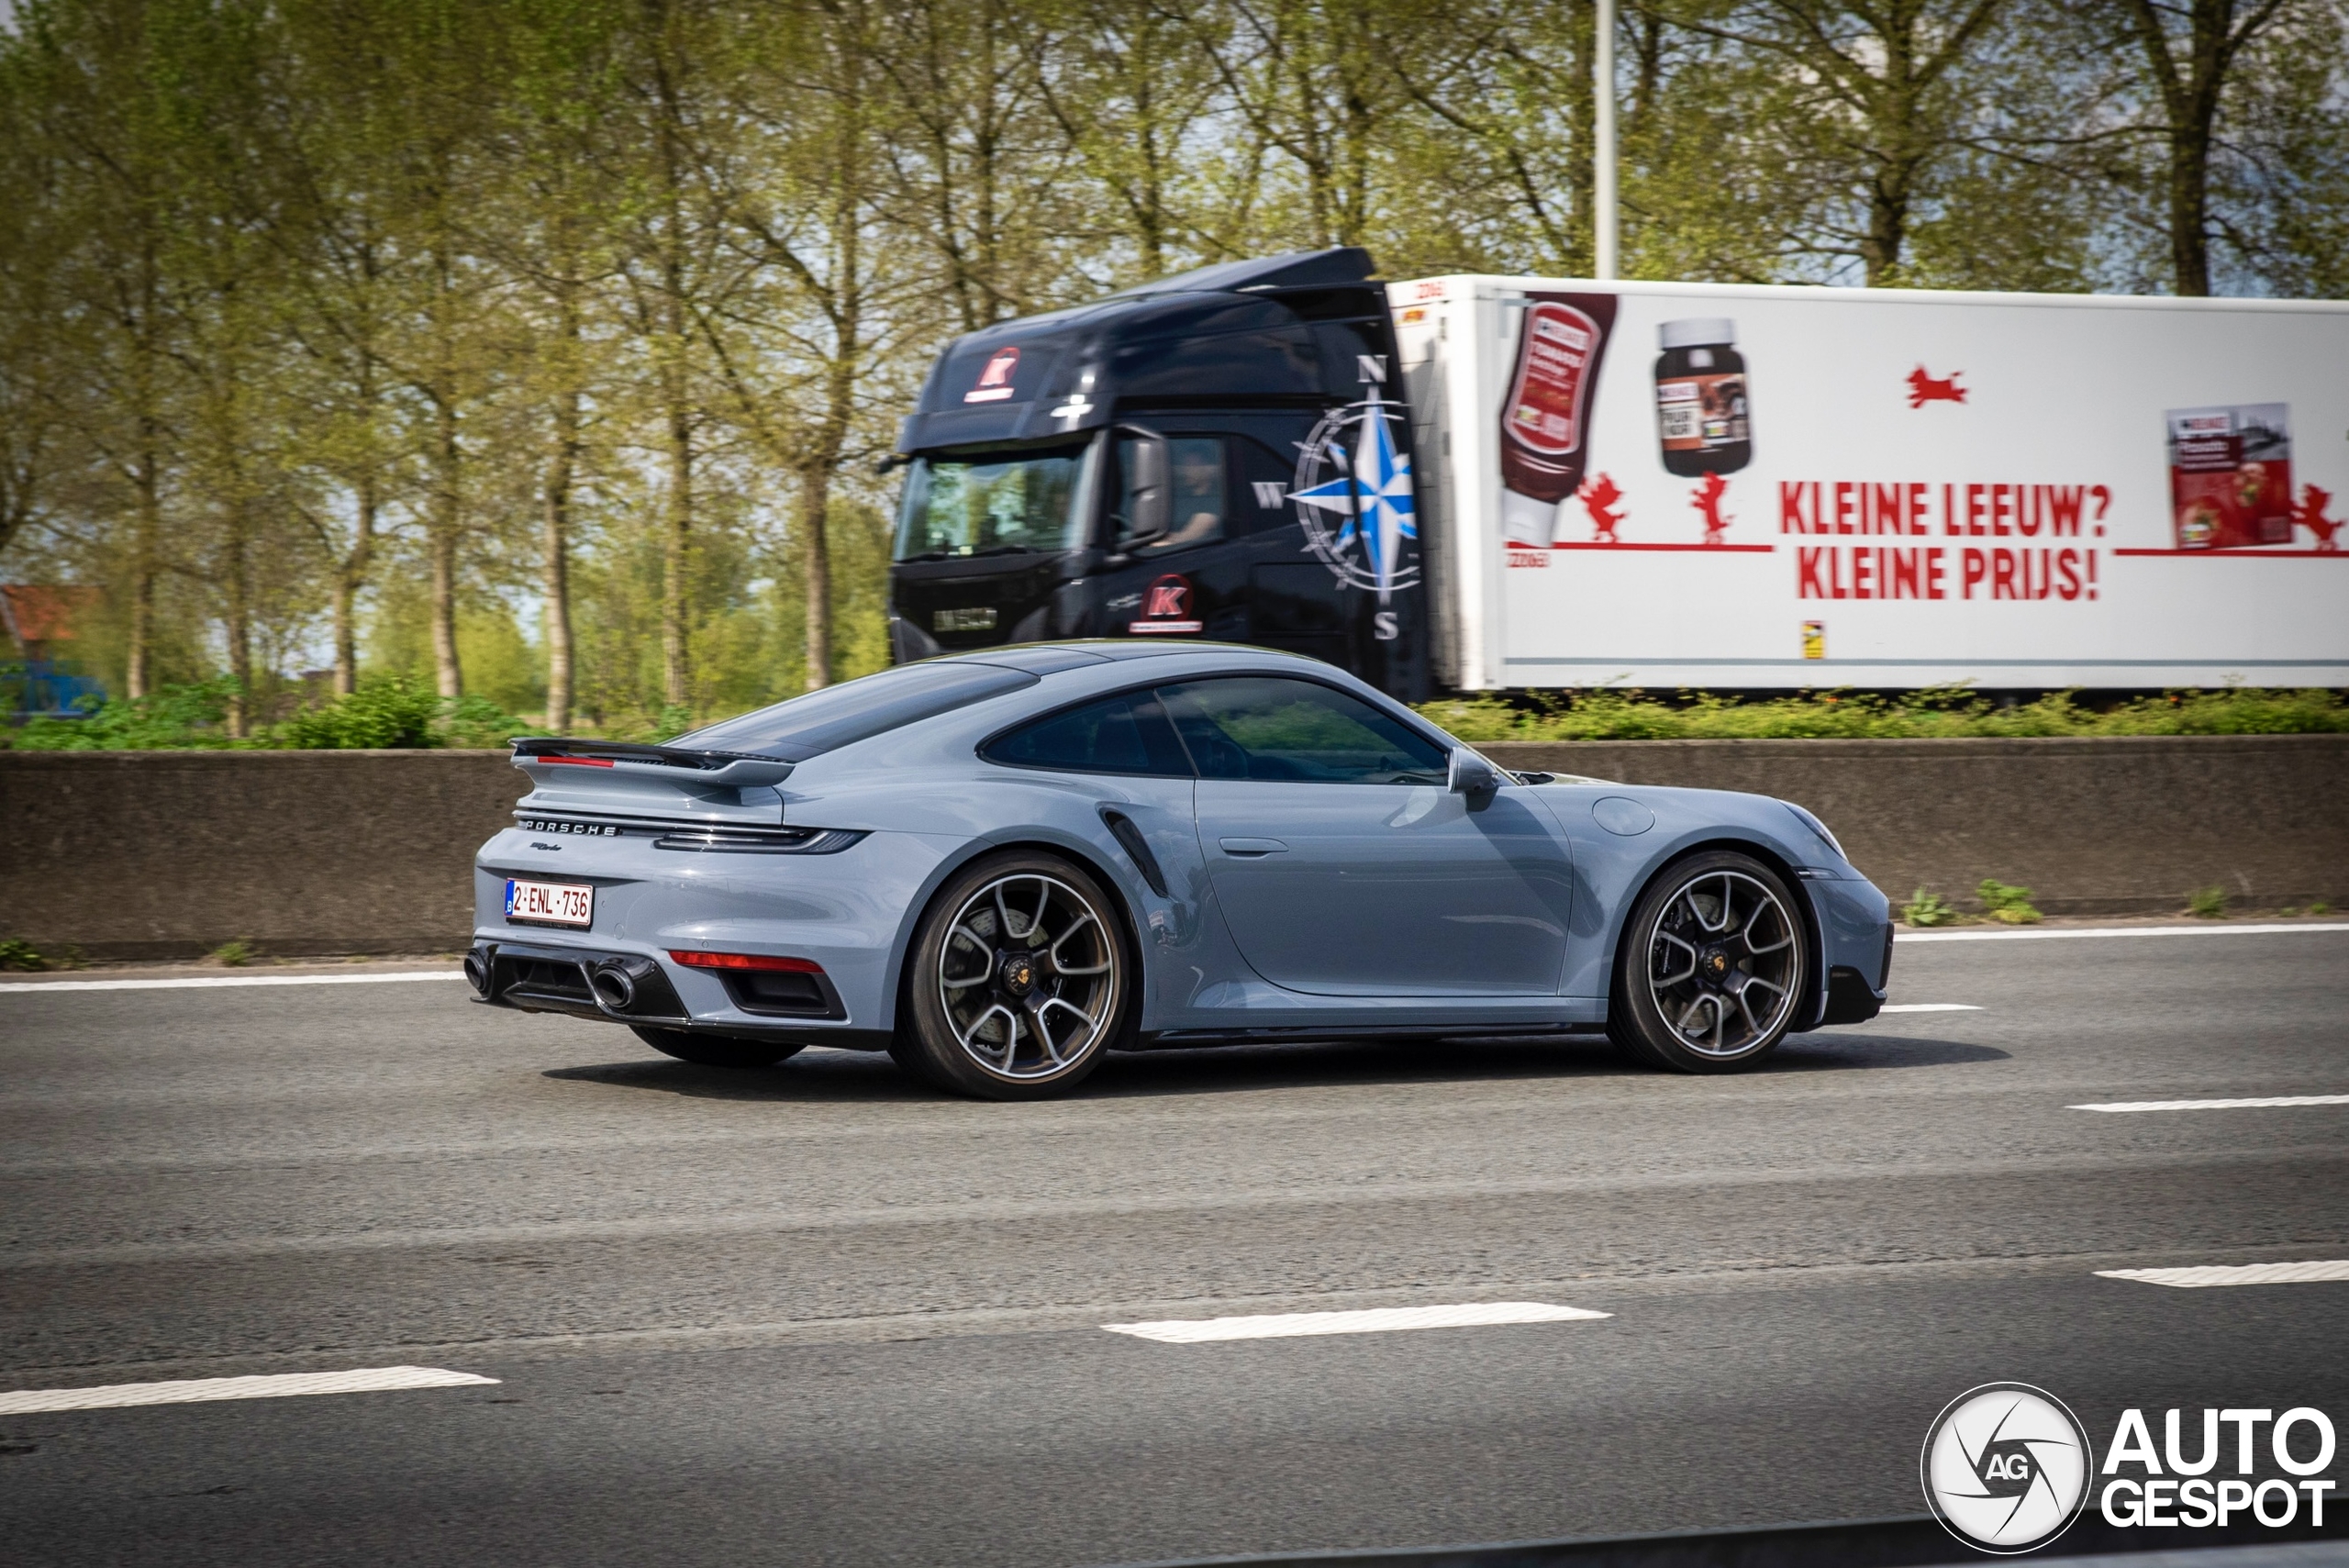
(857,710)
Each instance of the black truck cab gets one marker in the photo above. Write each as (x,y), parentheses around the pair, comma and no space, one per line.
(1217,455)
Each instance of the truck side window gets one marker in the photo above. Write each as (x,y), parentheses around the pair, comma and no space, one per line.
(1195,491)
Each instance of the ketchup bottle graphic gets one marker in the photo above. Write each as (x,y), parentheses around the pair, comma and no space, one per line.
(1545,420)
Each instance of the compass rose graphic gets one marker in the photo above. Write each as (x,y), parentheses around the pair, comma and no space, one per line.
(1353,497)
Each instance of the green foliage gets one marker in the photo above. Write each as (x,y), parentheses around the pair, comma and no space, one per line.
(233,954)
(2318,907)
(391,711)
(1943,712)
(176,717)
(15,954)
(1928,908)
(387,712)
(2007,903)
(2207,902)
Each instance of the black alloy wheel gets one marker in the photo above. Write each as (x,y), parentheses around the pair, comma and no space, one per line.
(1018,980)
(1712,966)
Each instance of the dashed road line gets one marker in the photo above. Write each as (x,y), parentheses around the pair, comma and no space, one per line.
(1378,1320)
(2068,932)
(2258,1103)
(2240,1273)
(209,981)
(202,1390)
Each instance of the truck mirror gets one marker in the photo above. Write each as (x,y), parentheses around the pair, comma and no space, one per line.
(1148,498)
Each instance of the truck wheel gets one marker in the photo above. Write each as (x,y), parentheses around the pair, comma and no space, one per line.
(1712,968)
(714,1050)
(1018,980)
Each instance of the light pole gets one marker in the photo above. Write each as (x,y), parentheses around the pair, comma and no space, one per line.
(1602,152)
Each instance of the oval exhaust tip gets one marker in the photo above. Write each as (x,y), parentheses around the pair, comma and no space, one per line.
(613,987)
(477,973)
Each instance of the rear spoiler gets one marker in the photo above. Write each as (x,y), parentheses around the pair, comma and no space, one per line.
(681,765)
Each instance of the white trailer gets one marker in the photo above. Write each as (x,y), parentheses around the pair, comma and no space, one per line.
(1680,485)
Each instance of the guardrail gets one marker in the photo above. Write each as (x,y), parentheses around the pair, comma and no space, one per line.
(169,854)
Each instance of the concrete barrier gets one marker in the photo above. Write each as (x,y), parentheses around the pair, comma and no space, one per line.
(168,854)
(2123,825)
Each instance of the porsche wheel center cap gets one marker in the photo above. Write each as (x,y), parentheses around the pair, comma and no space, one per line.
(1714,964)
(1017,974)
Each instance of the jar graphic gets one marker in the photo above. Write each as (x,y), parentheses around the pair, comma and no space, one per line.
(1701,412)
(1545,420)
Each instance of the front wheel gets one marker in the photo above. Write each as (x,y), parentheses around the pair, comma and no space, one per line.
(1018,980)
(713,1050)
(1712,966)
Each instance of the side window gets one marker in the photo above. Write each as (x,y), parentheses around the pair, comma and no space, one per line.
(1260,726)
(1124,734)
(1172,492)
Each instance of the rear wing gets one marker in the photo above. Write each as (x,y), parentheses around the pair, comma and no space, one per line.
(629,778)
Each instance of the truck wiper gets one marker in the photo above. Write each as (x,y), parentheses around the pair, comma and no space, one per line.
(1005,550)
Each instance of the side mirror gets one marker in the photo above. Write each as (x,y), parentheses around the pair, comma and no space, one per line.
(1471,775)
(1148,499)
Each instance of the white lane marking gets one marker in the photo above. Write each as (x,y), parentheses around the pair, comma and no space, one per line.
(195,981)
(2116,932)
(113,1395)
(1929,1007)
(2215,1104)
(2243,1273)
(1384,1320)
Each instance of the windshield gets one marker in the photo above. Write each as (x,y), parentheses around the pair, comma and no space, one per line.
(856,710)
(994,506)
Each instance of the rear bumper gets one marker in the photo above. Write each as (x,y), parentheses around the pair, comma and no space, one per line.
(610,985)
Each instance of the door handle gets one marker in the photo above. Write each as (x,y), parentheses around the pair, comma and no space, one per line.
(1249,849)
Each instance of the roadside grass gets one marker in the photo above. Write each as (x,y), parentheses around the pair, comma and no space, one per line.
(1935,713)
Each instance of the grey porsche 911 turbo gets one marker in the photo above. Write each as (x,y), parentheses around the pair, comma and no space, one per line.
(997,867)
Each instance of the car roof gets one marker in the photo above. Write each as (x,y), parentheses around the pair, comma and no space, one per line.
(1051,658)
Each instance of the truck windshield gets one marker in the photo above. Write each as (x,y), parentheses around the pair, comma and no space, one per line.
(994,506)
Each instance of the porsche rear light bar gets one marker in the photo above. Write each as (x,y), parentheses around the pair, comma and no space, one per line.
(697,960)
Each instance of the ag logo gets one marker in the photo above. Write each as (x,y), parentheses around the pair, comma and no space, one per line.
(1353,497)
(2005,1467)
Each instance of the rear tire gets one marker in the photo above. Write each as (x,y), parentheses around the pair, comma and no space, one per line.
(1019,978)
(714,1050)
(1713,966)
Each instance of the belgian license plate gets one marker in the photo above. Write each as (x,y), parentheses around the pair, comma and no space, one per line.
(550,903)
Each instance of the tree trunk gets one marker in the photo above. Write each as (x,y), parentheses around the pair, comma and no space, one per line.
(347,584)
(555,546)
(447,454)
(676,558)
(238,623)
(815,500)
(147,532)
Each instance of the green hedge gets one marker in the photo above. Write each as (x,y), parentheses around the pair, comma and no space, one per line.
(1610,714)
(391,712)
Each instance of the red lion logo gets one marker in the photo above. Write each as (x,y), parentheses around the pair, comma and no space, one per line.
(1598,498)
(1708,502)
(1924,389)
(2310,514)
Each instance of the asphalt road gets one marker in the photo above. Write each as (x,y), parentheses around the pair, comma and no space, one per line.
(815,1315)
